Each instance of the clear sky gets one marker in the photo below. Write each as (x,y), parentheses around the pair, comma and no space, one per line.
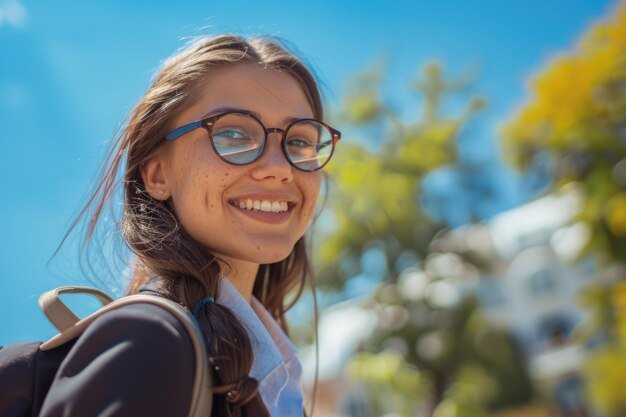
(70,72)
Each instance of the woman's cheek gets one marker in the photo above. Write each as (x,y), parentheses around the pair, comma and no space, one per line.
(314,191)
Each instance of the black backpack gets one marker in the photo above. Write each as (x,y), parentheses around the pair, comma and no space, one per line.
(27,369)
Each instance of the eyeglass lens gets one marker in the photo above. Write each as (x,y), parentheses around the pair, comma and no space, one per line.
(239,139)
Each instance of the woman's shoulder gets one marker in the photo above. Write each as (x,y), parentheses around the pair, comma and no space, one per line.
(137,359)
(142,325)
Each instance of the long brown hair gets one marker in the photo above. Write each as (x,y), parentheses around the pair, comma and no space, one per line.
(186,270)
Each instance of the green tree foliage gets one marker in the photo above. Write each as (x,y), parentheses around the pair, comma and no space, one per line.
(462,367)
(375,190)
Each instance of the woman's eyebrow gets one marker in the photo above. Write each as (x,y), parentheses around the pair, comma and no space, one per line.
(218,110)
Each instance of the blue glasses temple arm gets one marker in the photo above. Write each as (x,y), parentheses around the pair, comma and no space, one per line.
(176,133)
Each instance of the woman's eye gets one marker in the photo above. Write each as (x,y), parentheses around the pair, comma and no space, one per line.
(231,134)
(299,142)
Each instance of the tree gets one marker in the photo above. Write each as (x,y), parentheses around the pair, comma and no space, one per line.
(376,189)
(577,116)
(454,363)
(445,348)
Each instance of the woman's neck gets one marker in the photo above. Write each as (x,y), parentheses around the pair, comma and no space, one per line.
(241,274)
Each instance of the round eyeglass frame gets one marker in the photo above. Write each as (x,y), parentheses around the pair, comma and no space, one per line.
(208,123)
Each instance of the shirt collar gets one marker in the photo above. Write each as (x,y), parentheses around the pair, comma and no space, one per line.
(283,343)
(270,345)
(263,345)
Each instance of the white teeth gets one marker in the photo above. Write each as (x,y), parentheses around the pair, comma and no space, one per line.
(263,205)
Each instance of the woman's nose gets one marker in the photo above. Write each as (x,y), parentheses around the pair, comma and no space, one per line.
(273,163)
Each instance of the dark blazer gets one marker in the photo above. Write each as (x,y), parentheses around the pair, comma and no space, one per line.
(137,360)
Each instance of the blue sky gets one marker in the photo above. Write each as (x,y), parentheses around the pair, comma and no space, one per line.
(70,72)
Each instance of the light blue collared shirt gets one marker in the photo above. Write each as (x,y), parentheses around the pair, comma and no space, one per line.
(275,365)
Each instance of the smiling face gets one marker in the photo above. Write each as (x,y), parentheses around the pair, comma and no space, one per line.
(238,212)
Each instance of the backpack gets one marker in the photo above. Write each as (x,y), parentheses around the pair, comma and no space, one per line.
(27,369)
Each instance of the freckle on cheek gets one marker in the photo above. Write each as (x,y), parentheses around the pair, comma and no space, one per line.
(258,248)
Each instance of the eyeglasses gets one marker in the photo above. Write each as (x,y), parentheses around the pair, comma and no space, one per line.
(240,138)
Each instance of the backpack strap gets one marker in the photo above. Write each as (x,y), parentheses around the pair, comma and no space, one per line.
(201,398)
(59,314)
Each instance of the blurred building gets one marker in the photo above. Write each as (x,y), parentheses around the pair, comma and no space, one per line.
(526,285)
(535,287)
(538,292)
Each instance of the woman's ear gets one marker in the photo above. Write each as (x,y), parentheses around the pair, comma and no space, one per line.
(153,174)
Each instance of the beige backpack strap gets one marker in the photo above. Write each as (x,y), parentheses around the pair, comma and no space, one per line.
(201,398)
(58,312)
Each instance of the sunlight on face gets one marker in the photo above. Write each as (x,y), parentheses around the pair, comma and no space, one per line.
(254,212)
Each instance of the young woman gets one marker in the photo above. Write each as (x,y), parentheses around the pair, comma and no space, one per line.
(222,174)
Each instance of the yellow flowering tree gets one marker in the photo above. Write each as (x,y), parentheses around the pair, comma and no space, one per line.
(577,116)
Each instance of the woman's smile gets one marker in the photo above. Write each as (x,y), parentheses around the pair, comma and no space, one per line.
(264,207)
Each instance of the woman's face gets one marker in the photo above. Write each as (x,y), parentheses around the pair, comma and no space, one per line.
(206,192)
